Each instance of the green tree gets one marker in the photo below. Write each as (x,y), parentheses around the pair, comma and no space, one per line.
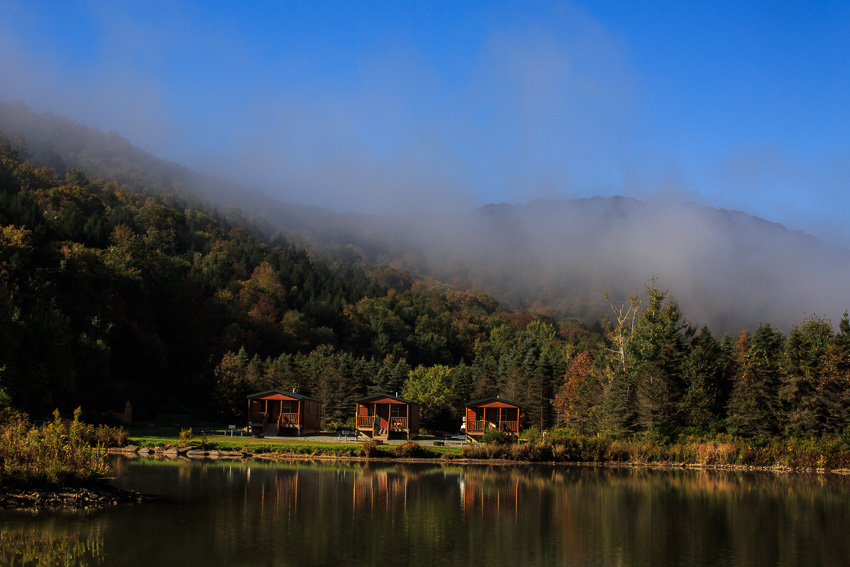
(431,388)
(801,409)
(657,349)
(704,378)
(753,407)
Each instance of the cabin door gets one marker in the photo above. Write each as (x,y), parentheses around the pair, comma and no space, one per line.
(274,410)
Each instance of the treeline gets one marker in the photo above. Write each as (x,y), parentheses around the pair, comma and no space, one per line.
(657,375)
(108,295)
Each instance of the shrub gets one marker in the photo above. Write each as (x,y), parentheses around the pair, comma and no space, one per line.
(109,436)
(531,452)
(532,435)
(474,452)
(496,437)
(186,435)
(58,452)
(409,449)
(370,449)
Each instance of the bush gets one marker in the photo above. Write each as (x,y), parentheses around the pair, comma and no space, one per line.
(559,436)
(109,436)
(370,449)
(481,451)
(409,449)
(496,437)
(531,452)
(56,453)
(186,435)
(532,435)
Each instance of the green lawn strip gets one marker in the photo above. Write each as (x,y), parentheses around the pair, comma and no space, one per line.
(283,445)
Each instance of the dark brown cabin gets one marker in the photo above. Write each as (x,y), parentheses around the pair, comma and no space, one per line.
(492,413)
(382,416)
(276,412)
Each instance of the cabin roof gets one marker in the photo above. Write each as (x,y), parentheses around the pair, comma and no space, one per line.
(284,393)
(483,401)
(382,395)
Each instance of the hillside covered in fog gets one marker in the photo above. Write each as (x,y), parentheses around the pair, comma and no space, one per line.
(727,269)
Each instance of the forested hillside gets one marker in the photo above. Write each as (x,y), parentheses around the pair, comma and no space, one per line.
(108,294)
(729,270)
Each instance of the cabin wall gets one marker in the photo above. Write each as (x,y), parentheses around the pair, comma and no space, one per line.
(311,418)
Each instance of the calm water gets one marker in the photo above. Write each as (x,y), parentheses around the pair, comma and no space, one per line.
(258,515)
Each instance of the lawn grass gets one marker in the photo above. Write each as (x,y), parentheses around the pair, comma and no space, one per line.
(283,445)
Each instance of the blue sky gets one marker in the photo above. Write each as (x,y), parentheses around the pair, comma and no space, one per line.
(405,106)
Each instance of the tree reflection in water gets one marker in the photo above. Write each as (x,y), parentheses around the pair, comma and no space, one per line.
(51,544)
(263,515)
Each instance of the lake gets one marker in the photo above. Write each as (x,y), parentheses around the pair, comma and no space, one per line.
(300,514)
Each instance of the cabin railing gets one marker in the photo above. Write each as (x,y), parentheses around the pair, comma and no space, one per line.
(479,426)
(259,417)
(398,423)
(365,421)
(288,419)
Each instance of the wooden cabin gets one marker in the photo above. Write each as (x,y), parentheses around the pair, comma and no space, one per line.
(382,416)
(492,413)
(276,412)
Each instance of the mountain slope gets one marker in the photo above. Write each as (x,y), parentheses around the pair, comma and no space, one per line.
(728,270)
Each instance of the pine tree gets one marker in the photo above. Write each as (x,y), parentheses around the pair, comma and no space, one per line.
(702,404)
(753,407)
(801,412)
(657,349)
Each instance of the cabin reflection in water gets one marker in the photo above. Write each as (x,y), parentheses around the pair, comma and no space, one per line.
(379,491)
(279,495)
(486,499)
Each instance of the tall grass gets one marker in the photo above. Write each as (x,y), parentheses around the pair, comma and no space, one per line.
(60,452)
(562,445)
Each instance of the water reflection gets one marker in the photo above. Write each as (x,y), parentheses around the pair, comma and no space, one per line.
(225,513)
(51,543)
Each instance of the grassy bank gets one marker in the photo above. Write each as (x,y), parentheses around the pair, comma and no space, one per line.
(297,446)
(562,446)
(719,451)
(57,453)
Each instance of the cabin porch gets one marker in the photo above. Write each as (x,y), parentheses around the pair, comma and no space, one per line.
(275,417)
(387,418)
(492,415)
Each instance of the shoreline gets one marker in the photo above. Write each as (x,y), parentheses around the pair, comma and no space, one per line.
(196,454)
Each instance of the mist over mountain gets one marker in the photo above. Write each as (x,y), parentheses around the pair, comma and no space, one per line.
(728,270)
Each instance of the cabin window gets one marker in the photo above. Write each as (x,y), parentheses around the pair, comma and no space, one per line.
(286,407)
(370,410)
(479,414)
(395,410)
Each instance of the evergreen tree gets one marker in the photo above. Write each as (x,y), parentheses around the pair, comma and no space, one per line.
(805,348)
(703,402)
(657,349)
(753,407)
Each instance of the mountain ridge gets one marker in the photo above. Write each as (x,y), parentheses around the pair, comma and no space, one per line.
(730,270)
